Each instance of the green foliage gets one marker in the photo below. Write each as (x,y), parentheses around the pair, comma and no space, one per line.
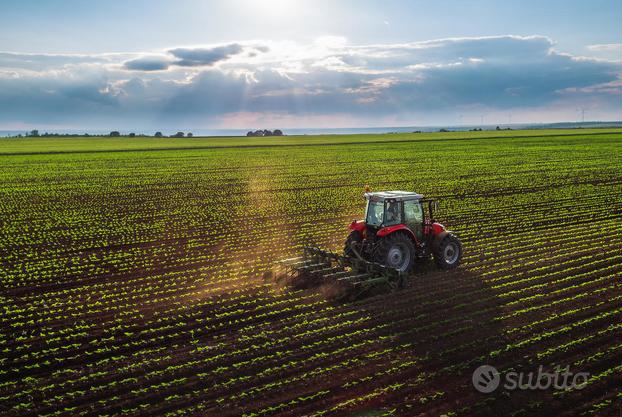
(134,273)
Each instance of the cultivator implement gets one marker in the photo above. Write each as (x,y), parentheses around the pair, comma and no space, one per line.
(341,277)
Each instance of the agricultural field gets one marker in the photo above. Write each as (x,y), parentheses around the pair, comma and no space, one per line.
(135,276)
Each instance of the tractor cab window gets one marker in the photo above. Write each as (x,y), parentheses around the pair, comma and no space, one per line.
(413,216)
(375,212)
(393,213)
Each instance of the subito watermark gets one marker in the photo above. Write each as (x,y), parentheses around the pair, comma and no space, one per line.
(487,379)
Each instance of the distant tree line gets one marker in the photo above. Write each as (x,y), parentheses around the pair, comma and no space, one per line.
(265,132)
(255,133)
(114,134)
(35,134)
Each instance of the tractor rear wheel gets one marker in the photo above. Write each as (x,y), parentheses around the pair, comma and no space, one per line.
(396,251)
(447,252)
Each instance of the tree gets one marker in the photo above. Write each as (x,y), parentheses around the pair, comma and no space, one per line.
(178,135)
(158,134)
(34,133)
(189,135)
(265,132)
(115,134)
(132,135)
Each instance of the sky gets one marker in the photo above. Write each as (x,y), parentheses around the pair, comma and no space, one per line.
(237,64)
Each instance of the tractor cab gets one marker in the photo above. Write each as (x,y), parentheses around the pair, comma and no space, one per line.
(399,227)
(392,208)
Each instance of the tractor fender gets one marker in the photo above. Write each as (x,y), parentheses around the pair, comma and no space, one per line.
(358,225)
(398,227)
(439,238)
(437,228)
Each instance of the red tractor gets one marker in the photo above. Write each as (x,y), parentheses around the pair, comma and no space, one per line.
(399,227)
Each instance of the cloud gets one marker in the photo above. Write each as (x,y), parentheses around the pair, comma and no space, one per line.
(191,57)
(148,63)
(329,79)
(46,61)
(195,57)
(57,98)
(606,47)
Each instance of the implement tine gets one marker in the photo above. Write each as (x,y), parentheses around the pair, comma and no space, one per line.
(352,275)
(291,260)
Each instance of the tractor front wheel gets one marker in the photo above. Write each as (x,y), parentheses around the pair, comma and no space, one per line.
(396,251)
(447,252)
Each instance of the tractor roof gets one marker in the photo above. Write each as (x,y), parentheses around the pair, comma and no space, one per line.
(393,195)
